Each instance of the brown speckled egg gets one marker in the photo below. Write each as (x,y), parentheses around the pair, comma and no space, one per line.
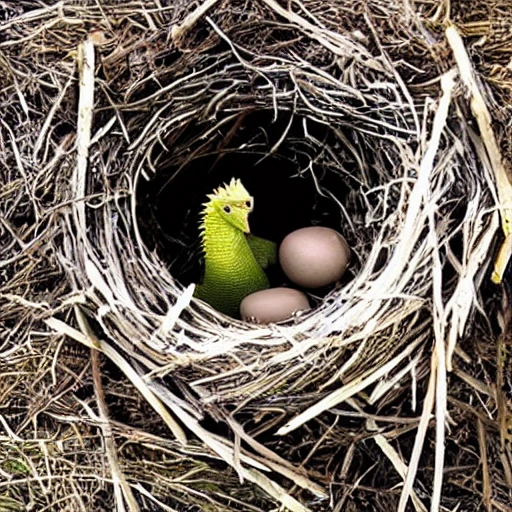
(314,257)
(273,305)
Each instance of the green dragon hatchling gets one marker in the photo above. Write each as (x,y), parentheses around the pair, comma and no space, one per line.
(233,258)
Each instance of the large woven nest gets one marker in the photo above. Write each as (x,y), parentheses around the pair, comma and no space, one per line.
(366,116)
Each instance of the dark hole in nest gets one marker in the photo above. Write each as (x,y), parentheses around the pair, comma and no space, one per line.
(292,186)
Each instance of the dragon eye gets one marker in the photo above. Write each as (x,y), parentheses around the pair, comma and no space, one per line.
(227,209)
(248,204)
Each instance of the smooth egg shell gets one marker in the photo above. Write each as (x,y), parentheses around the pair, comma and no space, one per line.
(273,305)
(314,257)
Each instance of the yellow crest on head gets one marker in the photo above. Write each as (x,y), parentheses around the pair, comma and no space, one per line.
(235,191)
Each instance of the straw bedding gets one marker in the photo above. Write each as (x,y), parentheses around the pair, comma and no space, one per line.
(121,390)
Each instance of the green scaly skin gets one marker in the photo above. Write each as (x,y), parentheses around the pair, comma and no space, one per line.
(232,271)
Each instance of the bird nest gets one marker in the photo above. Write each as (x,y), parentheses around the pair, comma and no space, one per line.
(362,116)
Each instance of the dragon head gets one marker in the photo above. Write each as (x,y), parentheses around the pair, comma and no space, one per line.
(233,203)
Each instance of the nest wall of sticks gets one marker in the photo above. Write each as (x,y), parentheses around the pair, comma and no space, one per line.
(121,388)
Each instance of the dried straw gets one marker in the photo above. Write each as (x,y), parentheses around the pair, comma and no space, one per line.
(369,401)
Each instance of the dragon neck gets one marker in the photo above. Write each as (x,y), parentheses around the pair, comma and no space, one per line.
(219,238)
